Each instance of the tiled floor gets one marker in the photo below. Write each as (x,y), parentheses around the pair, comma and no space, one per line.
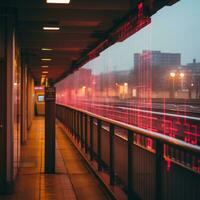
(72,179)
(84,183)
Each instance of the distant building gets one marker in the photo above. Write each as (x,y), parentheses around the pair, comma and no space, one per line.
(195,80)
(150,71)
(157,58)
(194,65)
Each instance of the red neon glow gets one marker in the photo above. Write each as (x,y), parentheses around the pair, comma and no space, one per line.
(38,88)
(140,10)
(101,89)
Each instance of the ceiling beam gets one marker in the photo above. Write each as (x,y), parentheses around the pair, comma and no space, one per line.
(74,4)
(54,15)
(55,44)
(49,37)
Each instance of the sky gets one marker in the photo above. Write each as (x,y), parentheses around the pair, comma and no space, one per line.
(174,29)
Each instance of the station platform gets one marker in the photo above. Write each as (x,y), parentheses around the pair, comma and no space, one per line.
(72,180)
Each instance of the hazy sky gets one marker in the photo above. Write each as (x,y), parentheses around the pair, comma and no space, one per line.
(173,29)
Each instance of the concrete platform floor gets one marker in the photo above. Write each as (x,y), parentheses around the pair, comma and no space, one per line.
(72,180)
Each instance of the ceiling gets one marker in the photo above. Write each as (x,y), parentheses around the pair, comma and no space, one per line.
(82,24)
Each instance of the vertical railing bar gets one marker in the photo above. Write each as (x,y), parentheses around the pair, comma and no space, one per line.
(81,128)
(99,123)
(74,117)
(70,120)
(86,134)
(130,165)
(91,138)
(74,124)
(67,119)
(76,133)
(159,161)
(71,128)
(112,172)
(78,128)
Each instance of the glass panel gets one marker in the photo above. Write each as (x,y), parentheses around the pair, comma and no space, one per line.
(150,80)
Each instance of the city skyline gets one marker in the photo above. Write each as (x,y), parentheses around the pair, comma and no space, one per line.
(168,32)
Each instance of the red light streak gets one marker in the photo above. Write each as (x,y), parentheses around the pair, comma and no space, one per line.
(74,91)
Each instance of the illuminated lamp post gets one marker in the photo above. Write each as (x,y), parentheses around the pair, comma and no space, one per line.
(117,89)
(172,75)
(84,91)
(125,89)
(191,86)
(182,76)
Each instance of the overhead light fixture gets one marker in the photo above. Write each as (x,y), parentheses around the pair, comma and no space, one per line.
(51,28)
(44,66)
(45,72)
(46,59)
(46,49)
(59,1)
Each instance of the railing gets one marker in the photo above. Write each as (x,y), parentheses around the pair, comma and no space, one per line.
(168,169)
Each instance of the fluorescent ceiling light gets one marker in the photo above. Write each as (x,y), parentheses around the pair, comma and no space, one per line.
(51,28)
(46,59)
(44,66)
(45,72)
(58,1)
(46,49)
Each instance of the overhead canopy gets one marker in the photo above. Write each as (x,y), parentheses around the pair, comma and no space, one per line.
(84,25)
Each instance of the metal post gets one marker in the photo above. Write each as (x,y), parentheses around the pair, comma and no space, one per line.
(75,122)
(99,123)
(130,165)
(86,134)
(73,131)
(3,125)
(65,119)
(78,128)
(76,125)
(112,172)
(50,130)
(71,121)
(91,138)
(159,162)
(81,129)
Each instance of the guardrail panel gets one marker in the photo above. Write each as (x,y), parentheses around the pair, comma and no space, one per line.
(162,167)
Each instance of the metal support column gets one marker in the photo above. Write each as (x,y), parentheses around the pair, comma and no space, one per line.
(130,165)
(99,123)
(112,172)
(50,130)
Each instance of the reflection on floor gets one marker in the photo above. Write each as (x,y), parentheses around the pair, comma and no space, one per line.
(73,180)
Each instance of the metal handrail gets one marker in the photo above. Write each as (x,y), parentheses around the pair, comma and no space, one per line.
(155,112)
(154,135)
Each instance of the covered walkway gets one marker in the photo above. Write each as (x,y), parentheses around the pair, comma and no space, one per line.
(73,180)
(108,90)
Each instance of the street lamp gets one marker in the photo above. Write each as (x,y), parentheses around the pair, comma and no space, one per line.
(181,76)
(83,91)
(172,75)
(125,89)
